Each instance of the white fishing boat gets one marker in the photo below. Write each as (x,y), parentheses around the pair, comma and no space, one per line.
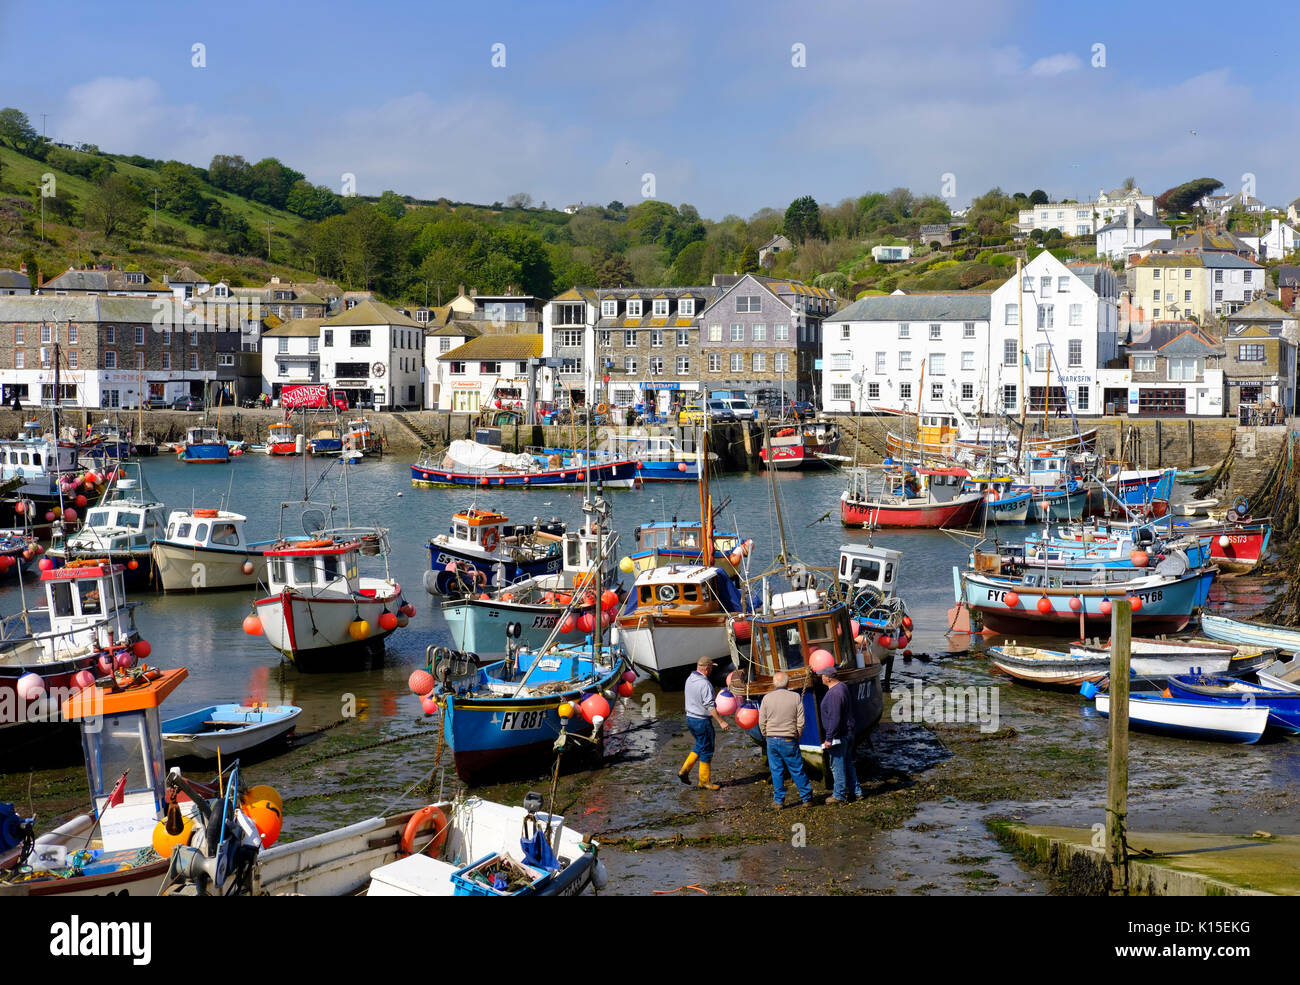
(676,615)
(206,550)
(1243,723)
(226,730)
(1284,638)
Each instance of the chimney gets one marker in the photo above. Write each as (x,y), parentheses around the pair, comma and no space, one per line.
(22,268)
(275,280)
(461,288)
(1132,223)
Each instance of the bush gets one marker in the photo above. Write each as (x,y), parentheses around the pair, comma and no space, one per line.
(888,284)
(943,264)
(984,256)
(978,273)
(1003,260)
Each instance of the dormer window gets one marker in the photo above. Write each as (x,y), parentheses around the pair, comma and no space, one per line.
(661,308)
(608,309)
(221,291)
(634,308)
(282,295)
(686,306)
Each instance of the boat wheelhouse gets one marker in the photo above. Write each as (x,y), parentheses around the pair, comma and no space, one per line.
(676,614)
(484,541)
(666,542)
(121,526)
(205,550)
(281,439)
(33,455)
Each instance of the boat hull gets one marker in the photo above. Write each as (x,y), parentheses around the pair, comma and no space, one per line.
(1258,634)
(1190,719)
(218,454)
(440,555)
(613,474)
(313,632)
(186,568)
(668,647)
(183,737)
(957,513)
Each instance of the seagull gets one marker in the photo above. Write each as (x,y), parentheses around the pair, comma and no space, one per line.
(1192,132)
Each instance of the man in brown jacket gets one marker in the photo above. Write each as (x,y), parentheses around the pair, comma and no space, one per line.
(781,721)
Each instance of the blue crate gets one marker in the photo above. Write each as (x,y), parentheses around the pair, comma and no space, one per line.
(465,886)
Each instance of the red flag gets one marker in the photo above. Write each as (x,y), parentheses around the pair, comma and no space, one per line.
(119,792)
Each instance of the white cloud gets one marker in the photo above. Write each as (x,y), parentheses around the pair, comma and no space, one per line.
(1056,64)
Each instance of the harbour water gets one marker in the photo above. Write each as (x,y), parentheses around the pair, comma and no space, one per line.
(364,747)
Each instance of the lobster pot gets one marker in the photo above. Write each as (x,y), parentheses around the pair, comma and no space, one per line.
(370,546)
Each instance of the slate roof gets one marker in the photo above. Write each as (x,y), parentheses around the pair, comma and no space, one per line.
(1140,221)
(101,281)
(37,308)
(497,347)
(298,328)
(965,306)
(12,280)
(373,313)
(1260,310)
(186,275)
(1174,338)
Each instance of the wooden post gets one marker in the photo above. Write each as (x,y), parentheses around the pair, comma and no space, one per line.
(1117,761)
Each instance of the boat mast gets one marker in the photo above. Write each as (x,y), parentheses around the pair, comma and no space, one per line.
(776,500)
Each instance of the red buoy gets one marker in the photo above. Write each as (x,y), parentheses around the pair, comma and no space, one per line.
(1105,607)
(594,706)
(388,621)
(1044,605)
(253,626)
(1011,599)
(1076,603)
(1135,602)
(747,715)
(142,649)
(421,682)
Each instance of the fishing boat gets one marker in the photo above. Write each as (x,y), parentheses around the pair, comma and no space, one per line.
(1166,599)
(434,851)
(281,439)
(1195,476)
(361,439)
(17,548)
(1283,704)
(204,446)
(666,542)
(950,436)
(1238,722)
(675,615)
(207,550)
(1048,668)
(326,441)
(658,457)
(481,541)
(905,499)
(104,443)
(547,606)
(503,719)
(793,447)
(467,463)
(33,455)
(1284,638)
(121,526)
(110,851)
(227,730)
(1002,504)
(1140,487)
(868,582)
(1158,658)
(1235,547)
(319,612)
(1055,492)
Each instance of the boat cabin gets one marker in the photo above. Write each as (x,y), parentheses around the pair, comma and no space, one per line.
(798,624)
(86,594)
(32,455)
(314,567)
(665,534)
(684,589)
(121,732)
(863,566)
(1048,469)
(203,436)
(120,521)
(646,447)
(480,530)
(207,528)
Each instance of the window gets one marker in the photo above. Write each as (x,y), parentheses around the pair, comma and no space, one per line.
(606,339)
(1045,285)
(715,362)
(72,359)
(194,338)
(656,340)
(1187,274)
(683,338)
(845,332)
(1009,396)
(904,330)
(936,331)
(1187,297)
(1246,276)
(840,361)
(1218,295)
(457,367)
(737,362)
(1251,353)
(1045,316)
(1218,277)
(110,334)
(968,330)
(968,360)
(20,335)
(968,391)
(1042,357)
(750,302)
(661,307)
(45,334)
(1187,369)
(1081,398)
(686,306)
(166,337)
(1063,284)
(226,359)
(20,359)
(629,340)
(72,333)
(737,333)
(1011,315)
(840,391)
(1076,352)
(905,360)
(629,364)
(360,338)
(759,333)
(1155,312)
(873,391)
(110,359)
(904,391)
(1144,364)
(166,360)
(1076,315)
(936,364)
(194,362)
(139,360)
(880,363)
(282,344)
(1009,352)
(683,365)
(634,308)
(570,338)
(781,362)
(1027,284)
(1155,274)
(329,340)
(444,344)
(715,333)
(608,309)
(489,367)
(781,333)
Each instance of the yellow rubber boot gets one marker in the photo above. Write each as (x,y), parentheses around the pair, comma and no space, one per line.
(686,767)
(704,778)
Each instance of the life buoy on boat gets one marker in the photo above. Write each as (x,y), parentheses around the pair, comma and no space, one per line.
(602,408)
(327,542)
(417,821)
(205,512)
(490,539)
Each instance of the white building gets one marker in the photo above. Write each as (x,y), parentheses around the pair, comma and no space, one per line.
(891,254)
(913,352)
(1280,241)
(1070,330)
(487,369)
(291,355)
(374,353)
(1129,234)
(1084,218)
(438,342)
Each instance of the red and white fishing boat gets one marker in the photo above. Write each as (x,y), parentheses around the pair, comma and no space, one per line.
(320,612)
(801,446)
(904,498)
(281,440)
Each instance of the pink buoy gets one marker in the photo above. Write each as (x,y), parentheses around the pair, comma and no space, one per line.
(70,515)
(30,686)
(429,704)
(820,660)
(726,703)
(105,665)
(124,660)
(855,627)
(747,715)
(83,679)
(629,676)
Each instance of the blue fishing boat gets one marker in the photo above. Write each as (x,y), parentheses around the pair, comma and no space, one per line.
(1283,705)
(504,719)
(612,474)
(483,549)
(665,542)
(1149,712)
(1141,487)
(658,457)
(204,446)
(226,730)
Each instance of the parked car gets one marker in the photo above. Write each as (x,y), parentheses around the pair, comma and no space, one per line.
(187,403)
(740,408)
(690,415)
(720,412)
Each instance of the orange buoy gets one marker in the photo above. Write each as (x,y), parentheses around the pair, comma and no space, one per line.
(425,815)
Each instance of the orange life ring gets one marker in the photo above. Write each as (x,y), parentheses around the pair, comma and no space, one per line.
(490,539)
(327,542)
(602,408)
(417,821)
(205,512)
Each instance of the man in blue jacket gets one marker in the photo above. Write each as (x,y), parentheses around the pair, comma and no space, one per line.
(836,713)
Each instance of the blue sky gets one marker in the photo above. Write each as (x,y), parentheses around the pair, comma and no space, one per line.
(704,96)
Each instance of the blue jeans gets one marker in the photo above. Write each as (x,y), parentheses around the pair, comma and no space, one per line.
(702,729)
(782,758)
(844,774)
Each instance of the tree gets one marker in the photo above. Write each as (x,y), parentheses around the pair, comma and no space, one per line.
(391,204)
(520,200)
(1038,197)
(17,130)
(1182,198)
(748,259)
(803,219)
(115,206)
(615,271)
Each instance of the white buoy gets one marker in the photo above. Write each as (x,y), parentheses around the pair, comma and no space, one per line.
(30,686)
